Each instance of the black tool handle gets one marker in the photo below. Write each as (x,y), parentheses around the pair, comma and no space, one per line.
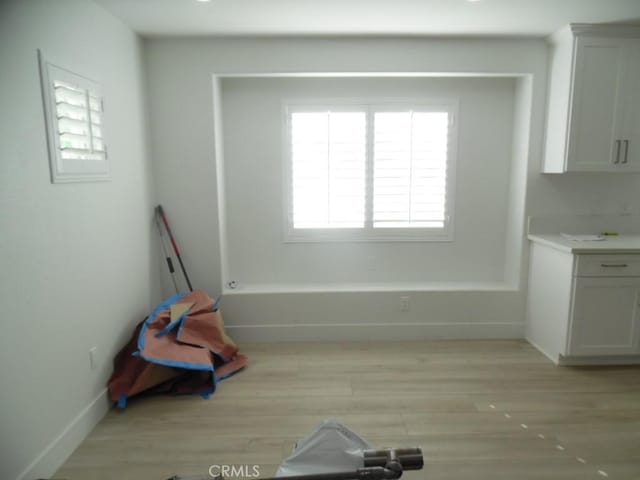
(378,465)
(409,458)
(367,473)
(170,265)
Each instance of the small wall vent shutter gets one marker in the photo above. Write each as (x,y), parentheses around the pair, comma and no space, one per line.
(79,119)
(75,125)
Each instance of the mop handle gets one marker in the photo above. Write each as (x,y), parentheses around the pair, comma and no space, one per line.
(160,212)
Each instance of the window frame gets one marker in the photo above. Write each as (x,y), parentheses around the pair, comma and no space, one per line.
(65,170)
(368,233)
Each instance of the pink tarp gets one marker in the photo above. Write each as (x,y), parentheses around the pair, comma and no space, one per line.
(189,354)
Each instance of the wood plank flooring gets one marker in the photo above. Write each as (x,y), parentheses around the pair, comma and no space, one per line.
(494,410)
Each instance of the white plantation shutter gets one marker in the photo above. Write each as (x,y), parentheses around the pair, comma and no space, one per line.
(371,172)
(410,169)
(328,168)
(79,122)
(75,125)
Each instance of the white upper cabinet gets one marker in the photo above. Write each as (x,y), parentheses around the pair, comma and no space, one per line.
(594,129)
(593,113)
(631,131)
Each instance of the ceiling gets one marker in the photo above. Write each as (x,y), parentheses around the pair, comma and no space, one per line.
(366,17)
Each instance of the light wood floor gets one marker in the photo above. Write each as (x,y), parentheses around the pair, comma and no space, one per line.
(494,410)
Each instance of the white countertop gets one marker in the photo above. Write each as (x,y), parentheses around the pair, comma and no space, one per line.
(611,244)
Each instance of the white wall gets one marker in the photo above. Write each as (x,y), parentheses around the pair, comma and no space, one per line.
(77,268)
(515,245)
(181,120)
(182,127)
(257,256)
(181,117)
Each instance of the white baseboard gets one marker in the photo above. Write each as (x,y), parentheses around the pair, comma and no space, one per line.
(563,361)
(543,351)
(54,455)
(599,360)
(374,332)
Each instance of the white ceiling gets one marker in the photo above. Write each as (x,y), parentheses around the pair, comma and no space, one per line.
(366,17)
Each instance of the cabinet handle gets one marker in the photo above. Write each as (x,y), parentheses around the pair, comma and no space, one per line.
(626,151)
(614,265)
(617,159)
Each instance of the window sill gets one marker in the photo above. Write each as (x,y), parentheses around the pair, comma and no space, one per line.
(343,235)
(282,288)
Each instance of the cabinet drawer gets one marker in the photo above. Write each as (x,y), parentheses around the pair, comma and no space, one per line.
(608,266)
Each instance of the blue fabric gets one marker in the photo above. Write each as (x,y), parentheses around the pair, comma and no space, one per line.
(179,334)
(156,311)
(122,401)
(217,302)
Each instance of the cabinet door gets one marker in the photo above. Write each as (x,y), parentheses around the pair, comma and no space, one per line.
(630,92)
(596,111)
(605,318)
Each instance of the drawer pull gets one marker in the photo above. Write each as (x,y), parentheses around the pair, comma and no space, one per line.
(614,265)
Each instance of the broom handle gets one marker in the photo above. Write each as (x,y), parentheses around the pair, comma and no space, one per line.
(166,255)
(160,212)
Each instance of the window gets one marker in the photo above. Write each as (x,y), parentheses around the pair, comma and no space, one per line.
(370,171)
(328,153)
(75,130)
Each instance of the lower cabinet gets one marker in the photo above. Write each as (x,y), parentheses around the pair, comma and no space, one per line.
(584,308)
(604,318)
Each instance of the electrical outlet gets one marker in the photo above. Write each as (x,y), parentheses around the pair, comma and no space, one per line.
(624,207)
(404,304)
(93,357)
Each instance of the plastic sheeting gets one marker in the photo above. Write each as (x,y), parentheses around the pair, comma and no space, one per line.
(331,447)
